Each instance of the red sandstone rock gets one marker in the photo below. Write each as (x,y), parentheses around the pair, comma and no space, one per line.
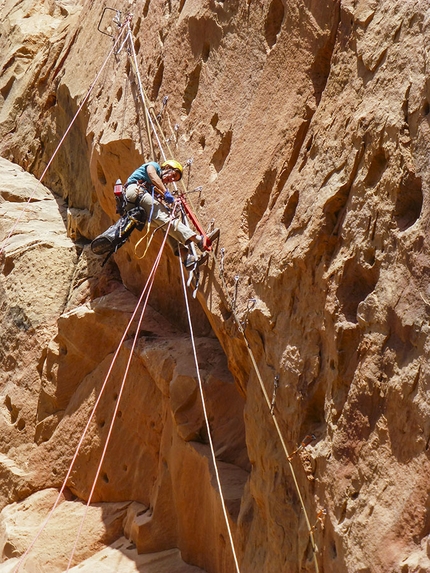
(308,127)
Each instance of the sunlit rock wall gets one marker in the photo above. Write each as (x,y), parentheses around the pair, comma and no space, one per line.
(307,126)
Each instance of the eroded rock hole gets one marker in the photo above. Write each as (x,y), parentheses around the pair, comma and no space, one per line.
(9,265)
(334,209)
(192,88)
(290,209)
(119,94)
(108,113)
(376,169)
(137,27)
(51,100)
(105,478)
(257,204)
(221,154)
(356,284)
(275,17)
(409,201)
(5,90)
(10,551)
(101,174)
(205,52)
(13,410)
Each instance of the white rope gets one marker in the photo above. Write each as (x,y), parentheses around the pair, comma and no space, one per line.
(207,421)
(3,245)
(275,422)
(142,95)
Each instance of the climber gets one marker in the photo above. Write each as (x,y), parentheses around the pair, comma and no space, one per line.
(146,188)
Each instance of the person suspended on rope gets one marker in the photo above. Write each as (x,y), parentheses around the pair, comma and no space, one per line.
(145,189)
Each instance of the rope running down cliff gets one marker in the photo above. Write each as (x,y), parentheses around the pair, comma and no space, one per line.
(146,107)
(147,287)
(3,245)
(145,101)
(224,509)
(275,421)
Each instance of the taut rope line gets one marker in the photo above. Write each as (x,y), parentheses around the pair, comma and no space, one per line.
(224,509)
(278,429)
(150,283)
(2,247)
(60,493)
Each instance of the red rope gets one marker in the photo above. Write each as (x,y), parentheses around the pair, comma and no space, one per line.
(149,282)
(148,286)
(3,245)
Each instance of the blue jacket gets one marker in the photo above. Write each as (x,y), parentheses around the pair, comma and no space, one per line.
(141,173)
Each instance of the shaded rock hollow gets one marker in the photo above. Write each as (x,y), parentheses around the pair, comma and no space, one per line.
(308,126)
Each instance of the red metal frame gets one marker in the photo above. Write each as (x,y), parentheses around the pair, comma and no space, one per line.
(207,243)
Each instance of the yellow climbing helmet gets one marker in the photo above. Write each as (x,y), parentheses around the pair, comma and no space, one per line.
(173,165)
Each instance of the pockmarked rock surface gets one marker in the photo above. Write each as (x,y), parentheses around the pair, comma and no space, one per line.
(306,125)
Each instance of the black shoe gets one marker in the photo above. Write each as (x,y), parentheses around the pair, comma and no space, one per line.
(212,236)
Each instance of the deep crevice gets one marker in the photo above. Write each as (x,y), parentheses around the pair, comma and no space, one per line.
(221,154)
(273,24)
(192,88)
(158,79)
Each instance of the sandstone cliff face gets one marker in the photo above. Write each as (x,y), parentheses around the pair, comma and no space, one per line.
(308,128)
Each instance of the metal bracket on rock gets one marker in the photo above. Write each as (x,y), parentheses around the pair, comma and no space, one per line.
(116,20)
(250,305)
(275,389)
(236,282)
(305,442)
(320,519)
(164,103)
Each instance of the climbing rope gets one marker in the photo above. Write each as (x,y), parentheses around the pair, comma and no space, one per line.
(150,122)
(270,405)
(3,245)
(148,119)
(153,121)
(207,420)
(147,286)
